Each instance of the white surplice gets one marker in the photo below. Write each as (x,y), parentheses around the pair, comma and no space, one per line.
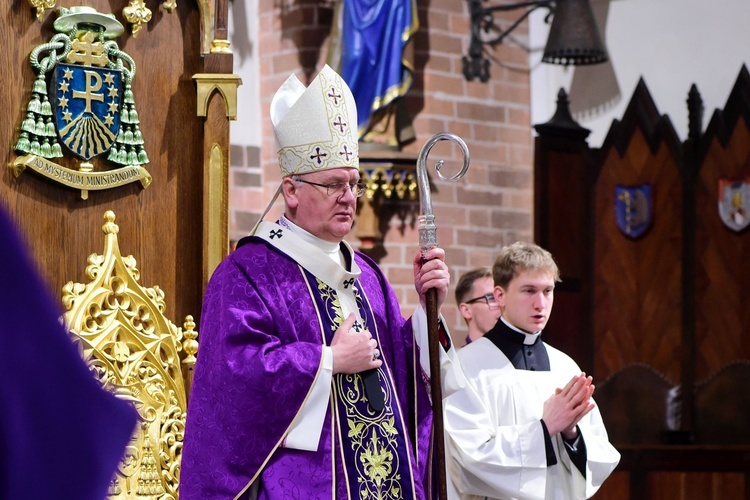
(495,442)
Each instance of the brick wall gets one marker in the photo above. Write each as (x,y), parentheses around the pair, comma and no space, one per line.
(491,206)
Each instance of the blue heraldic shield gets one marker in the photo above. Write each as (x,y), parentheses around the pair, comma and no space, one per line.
(87,104)
(633,209)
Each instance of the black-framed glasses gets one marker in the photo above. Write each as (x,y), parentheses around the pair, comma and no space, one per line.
(339,188)
(489,299)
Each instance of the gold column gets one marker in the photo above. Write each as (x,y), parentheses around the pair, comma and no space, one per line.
(217,112)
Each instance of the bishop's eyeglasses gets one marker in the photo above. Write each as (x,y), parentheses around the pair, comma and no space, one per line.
(489,299)
(339,188)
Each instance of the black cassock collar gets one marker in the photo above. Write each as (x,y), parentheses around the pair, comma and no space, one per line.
(531,357)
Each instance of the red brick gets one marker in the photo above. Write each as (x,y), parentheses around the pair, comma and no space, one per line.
(440,108)
(512,179)
(447,84)
(440,63)
(439,21)
(521,135)
(519,115)
(448,6)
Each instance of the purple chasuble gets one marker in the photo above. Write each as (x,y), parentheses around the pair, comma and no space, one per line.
(61,434)
(263,326)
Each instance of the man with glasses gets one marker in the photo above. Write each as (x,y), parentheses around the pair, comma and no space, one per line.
(525,426)
(309,382)
(476,302)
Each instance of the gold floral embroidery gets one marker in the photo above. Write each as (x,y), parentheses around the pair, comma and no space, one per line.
(374,441)
(374,436)
(331,298)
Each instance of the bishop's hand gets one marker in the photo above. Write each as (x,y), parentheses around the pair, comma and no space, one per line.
(353,351)
(431,271)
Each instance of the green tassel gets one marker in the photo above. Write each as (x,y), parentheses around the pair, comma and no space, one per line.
(122,157)
(128,137)
(40,86)
(46,108)
(49,128)
(128,98)
(132,157)
(34,149)
(137,136)
(142,156)
(34,105)
(23,144)
(56,150)
(40,128)
(29,125)
(46,150)
(134,116)
(112,156)
(124,115)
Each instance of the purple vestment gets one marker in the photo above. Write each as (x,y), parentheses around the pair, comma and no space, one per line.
(61,434)
(260,353)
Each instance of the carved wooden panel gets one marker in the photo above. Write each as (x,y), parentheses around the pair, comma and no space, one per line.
(647,396)
(722,254)
(637,282)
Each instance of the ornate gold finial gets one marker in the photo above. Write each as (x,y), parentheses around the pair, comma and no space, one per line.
(137,14)
(169,5)
(41,6)
(189,344)
(109,226)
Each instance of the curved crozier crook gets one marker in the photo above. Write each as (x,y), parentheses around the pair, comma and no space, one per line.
(426,220)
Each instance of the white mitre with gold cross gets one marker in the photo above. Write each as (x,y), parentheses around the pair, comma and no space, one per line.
(315,127)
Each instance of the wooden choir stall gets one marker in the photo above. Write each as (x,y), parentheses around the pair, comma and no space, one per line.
(651,236)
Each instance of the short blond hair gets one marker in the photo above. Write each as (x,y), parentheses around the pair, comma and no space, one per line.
(518,257)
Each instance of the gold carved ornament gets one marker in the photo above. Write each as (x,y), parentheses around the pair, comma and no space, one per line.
(134,351)
(136,12)
(391,189)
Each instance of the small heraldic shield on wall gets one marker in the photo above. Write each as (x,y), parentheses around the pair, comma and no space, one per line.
(734,203)
(633,210)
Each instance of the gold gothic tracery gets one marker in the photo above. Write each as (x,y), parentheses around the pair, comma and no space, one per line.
(134,351)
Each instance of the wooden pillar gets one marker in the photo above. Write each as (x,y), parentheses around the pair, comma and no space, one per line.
(563,225)
(217,103)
